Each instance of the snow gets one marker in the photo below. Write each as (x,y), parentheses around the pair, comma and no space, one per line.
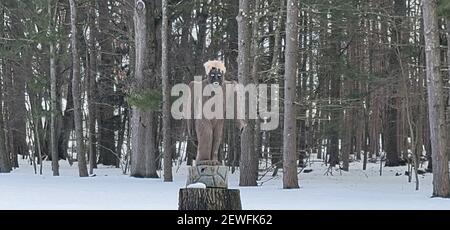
(110,189)
(197,185)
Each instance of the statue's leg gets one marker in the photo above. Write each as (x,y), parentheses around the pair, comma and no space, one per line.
(204,131)
(218,135)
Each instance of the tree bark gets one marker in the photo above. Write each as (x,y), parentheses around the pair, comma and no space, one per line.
(232,31)
(334,84)
(106,99)
(209,199)
(248,171)
(290,179)
(53,96)
(436,105)
(90,92)
(302,137)
(76,93)
(17,109)
(200,46)
(394,112)
(143,130)
(274,137)
(255,75)
(167,142)
(5,161)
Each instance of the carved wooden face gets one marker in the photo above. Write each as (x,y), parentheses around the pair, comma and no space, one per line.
(215,77)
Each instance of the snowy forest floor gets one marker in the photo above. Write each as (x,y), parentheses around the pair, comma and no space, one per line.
(110,189)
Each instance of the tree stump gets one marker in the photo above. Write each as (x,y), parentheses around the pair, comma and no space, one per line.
(209,199)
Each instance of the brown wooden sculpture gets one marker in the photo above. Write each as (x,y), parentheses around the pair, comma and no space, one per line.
(210,131)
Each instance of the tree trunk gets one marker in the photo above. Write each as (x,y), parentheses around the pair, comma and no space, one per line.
(394,112)
(17,109)
(199,53)
(334,124)
(167,142)
(143,150)
(76,93)
(106,137)
(54,110)
(391,147)
(255,61)
(274,137)
(209,199)
(53,96)
(436,105)
(67,123)
(302,137)
(248,171)
(90,93)
(232,31)
(5,161)
(290,179)
(365,138)
(38,143)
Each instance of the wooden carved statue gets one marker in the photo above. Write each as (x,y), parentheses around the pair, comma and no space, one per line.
(210,130)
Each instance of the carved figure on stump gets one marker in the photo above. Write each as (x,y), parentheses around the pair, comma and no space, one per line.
(207,182)
(209,130)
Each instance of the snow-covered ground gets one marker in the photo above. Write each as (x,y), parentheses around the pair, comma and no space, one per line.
(110,189)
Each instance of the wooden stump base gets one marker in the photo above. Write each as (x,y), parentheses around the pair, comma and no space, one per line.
(209,199)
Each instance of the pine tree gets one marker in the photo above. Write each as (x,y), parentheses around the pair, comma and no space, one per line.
(76,93)
(290,179)
(436,105)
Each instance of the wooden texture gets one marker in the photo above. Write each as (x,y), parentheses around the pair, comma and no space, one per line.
(209,199)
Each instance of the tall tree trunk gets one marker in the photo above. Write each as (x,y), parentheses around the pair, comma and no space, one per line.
(351,140)
(436,105)
(17,110)
(67,123)
(394,112)
(448,76)
(90,92)
(53,96)
(366,136)
(290,179)
(5,161)
(255,62)
(199,53)
(335,112)
(391,145)
(167,142)
(248,171)
(106,137)
(143,159)
(232,31)
(76,93)
(302,137)
(274,137)
(64,123)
